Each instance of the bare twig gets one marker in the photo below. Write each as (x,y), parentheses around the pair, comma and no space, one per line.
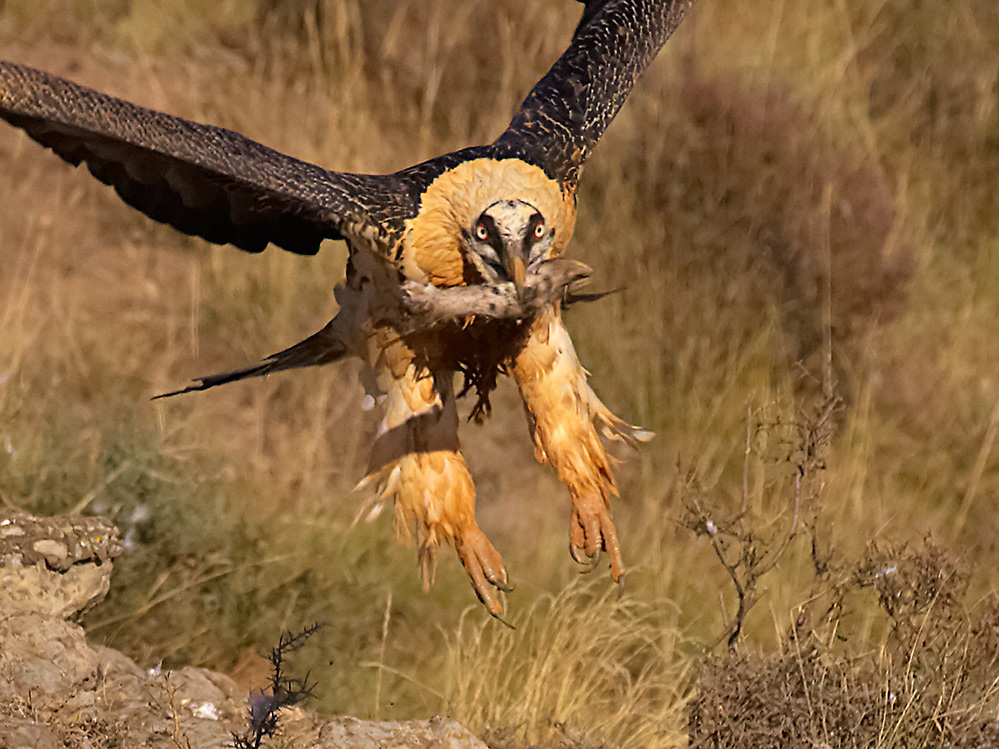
(381,655)
(744,581)
(745,552)
(179,737)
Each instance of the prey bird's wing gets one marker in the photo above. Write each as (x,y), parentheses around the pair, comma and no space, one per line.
(568,110)
(199,179)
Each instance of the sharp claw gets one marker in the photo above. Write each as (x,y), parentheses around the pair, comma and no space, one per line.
(501,620)
(591,531)
(486,597)
(503,585)
(574,552)
(620,586)
(582,558)
(594,561)
(497,579)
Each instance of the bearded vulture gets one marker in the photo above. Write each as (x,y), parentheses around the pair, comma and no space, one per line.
(485,219)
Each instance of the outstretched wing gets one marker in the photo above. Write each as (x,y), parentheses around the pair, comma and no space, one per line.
(226,188)
(199,179)
(565,114)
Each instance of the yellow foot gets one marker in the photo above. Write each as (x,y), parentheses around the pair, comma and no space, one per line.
(485,568)
(591,530)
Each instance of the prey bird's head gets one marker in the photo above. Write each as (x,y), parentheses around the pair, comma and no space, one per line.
(506,239)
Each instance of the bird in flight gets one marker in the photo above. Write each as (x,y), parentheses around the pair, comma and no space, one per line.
(483,219)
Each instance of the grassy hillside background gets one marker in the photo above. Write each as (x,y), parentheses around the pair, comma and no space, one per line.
(799,201)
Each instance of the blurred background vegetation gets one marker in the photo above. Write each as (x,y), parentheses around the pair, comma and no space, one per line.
(799,201)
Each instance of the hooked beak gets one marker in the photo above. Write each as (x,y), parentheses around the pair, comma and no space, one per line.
(517,272)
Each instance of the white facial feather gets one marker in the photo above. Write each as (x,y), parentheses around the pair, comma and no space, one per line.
(516,226)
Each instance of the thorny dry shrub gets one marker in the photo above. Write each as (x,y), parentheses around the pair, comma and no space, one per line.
(285,691)
(803,698)
(910,584)
(751,541)
(942,660)
(796,216)
(934,683)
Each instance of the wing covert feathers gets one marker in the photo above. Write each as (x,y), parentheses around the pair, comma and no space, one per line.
(217,184)
(199,179)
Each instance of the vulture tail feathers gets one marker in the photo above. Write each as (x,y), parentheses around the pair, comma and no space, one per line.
(324,347)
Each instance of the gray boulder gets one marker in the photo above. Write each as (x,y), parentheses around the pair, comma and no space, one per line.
(57,689)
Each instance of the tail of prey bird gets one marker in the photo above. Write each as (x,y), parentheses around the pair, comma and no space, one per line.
(483,220)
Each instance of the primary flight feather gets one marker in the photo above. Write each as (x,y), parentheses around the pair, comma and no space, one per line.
(479,217)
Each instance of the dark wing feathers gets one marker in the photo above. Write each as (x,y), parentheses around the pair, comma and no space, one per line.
(200,179)
(324,347)
(568,110)
(226,188)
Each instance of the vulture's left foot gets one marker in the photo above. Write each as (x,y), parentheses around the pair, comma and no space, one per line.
(591,531)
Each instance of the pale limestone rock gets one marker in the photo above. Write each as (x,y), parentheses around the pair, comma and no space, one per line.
(58,690)
(60,566)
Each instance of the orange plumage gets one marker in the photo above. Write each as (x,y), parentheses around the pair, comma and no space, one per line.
(416,459)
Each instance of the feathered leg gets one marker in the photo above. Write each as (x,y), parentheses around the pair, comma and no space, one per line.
(565,416)
(416,462)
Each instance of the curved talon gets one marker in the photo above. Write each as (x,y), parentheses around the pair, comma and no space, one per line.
(501,620)
(588,561)
(482,591)
(594,561)
(504,586)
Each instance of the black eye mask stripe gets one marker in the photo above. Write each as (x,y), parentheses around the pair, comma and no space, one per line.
(529,239)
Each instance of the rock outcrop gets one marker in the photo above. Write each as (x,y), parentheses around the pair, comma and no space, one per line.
(57,689)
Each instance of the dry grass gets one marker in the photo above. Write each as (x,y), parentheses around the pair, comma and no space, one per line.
(932,681)
(789,180)
(582,658)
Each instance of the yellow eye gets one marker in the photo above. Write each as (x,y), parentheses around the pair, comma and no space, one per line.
(481,231)
(539,231)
